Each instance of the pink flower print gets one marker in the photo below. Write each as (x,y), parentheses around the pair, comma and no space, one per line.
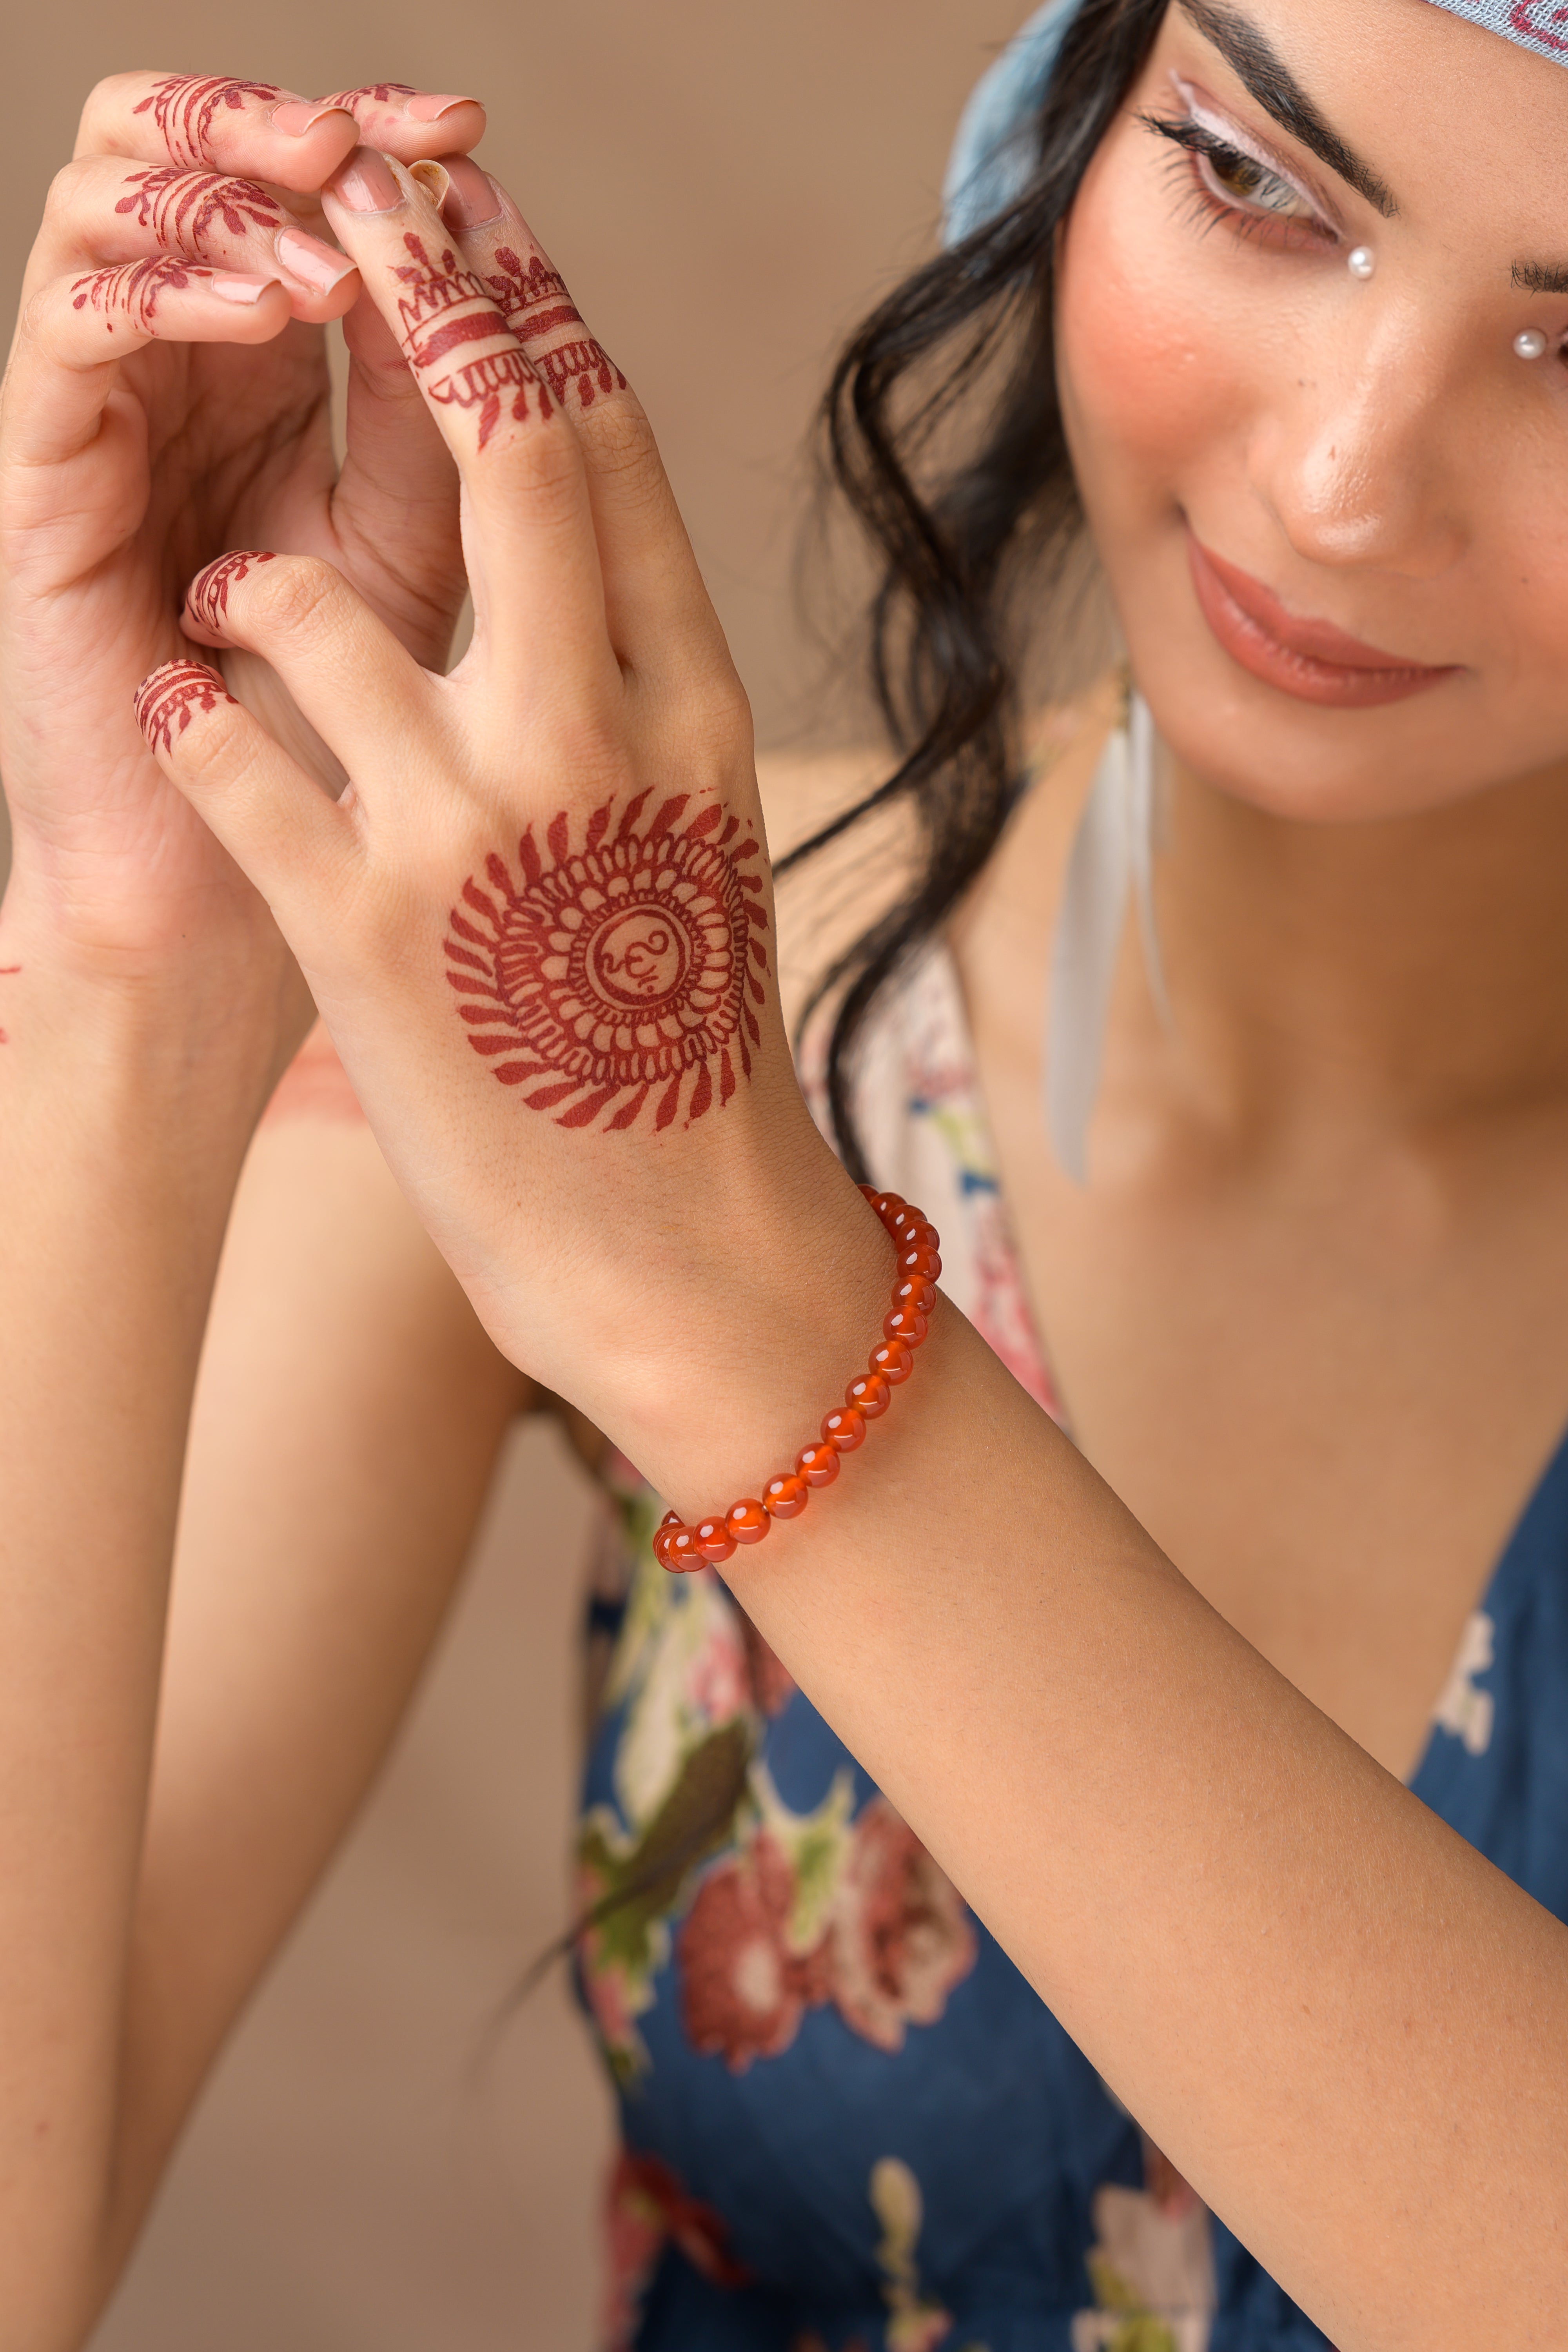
(649,2204)
(900,1934)
(717,1685)
(743,1991)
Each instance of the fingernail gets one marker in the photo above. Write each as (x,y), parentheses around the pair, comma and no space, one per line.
(471,200)
(364,183)
(428,108)
(230,287)
(297,115)
(313,263)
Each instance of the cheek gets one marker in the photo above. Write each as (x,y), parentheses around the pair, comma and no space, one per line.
(1154,389)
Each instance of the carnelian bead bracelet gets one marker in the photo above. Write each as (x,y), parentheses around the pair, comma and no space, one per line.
(683,1550)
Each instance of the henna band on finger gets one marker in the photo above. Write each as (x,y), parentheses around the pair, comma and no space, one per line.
(711,1543)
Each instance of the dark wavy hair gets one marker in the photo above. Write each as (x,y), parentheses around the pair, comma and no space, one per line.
(955,539)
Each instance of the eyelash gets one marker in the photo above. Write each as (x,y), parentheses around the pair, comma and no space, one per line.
(1209,205)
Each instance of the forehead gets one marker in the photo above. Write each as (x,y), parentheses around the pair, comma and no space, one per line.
(1539,24)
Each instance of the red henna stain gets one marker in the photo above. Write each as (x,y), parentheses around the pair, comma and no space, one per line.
(134,288)
(164,700)
(382,91)
(615,979)
(186,107)
(447,310)
(207,595)
(181,206)
(536,303)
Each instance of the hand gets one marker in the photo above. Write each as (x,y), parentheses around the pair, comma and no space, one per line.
(539,923)
(167,395)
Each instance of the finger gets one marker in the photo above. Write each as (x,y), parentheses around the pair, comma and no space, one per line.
(74,332)
(211,122)
(397,120)
(539,595)
(278,824)
(655,594)
(362,692)
(101,211)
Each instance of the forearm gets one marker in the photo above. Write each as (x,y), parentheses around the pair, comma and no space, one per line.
(1292,1973)
(122,1128)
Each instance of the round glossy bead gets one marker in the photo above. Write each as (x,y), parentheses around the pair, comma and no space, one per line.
(870,1392)
(681,1556)
(747,1522)
(714,1540)
(817,1464)
(919,1296)
(1531,344)
(1362,262)
(893,1360)
(785,1497)
(901,1225)
(662,1543)
(919,1264)
(886,1204)
(905,1325)
(844,1428)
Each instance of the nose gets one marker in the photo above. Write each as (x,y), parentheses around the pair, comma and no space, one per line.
(1363,454)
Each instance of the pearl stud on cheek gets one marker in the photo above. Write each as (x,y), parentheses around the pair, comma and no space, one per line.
(1362,262)
(1531,344)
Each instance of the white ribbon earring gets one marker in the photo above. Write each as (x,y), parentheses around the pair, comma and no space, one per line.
(1112,859)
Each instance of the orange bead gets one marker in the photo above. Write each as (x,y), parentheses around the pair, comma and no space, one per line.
(681,1556)
(903,1221)
(919,1264)
(747,1522)
(785,1497)
(714,1540)
(919,1296)
(887,1204)
(845,1428)
(893,1360)
(870,1392)
(817,1464)
(905,1325)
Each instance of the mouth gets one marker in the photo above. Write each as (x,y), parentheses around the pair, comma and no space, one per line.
(1312,660)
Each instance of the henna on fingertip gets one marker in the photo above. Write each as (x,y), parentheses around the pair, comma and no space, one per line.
(206,598)
(133,290)
(166,698)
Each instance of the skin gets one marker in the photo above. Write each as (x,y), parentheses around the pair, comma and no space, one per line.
(1269,1949)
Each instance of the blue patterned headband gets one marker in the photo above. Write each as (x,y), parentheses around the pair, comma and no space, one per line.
(994,153)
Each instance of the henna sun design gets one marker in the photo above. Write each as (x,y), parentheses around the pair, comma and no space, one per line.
(164,702)
(182,205)
(536,303)
(208,595)
(186,106)
(618,975)
(446,309)
(134,287)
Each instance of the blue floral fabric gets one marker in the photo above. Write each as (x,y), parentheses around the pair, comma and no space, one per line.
(849,2125)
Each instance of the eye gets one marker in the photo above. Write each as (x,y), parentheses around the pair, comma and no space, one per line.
(1238,179)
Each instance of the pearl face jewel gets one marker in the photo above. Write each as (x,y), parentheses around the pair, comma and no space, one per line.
(1362,262)
(1531,344)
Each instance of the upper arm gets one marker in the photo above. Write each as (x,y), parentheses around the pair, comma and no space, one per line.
(347,1418)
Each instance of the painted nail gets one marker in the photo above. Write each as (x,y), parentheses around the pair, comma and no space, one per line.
(230,287)
(313,263)
(428,108)
(364,183)
(297,115)
(471,200)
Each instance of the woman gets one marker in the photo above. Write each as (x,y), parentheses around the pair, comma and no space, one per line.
(1298,273)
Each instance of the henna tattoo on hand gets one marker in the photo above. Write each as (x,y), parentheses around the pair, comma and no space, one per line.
(181,206)
(134,288)
(164,700)
(208,593)
(186,107)
(447,310)
(618,976)
(382,91)
(536,303)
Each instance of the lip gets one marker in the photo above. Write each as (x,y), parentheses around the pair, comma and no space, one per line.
(1310,660)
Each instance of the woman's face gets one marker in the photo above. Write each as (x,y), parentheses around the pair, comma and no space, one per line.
(1278,455)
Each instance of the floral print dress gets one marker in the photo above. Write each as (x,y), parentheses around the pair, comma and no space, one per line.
(849,2124)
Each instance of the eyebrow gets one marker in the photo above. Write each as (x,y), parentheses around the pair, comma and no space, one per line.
(1258,63)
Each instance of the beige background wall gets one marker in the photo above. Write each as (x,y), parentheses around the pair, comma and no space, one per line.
(727,186)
